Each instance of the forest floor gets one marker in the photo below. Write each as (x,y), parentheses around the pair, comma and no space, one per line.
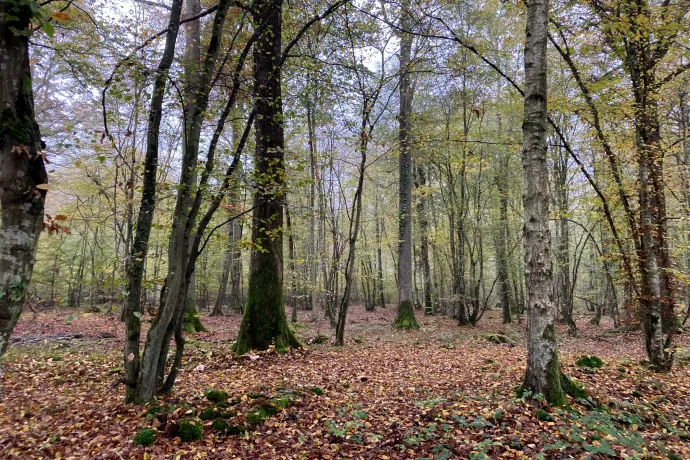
(440,392)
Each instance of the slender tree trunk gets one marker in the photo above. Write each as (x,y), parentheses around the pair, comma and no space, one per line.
(502,243)
(221,300)
(543,374)
(291,262)
(148,202)
(424,239)
(356,213)
(22,168)
(264,322)
(379,259)
(405,318)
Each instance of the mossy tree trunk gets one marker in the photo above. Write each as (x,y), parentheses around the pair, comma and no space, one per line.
(405,318)
(22,168)
(264,322)
(543,374)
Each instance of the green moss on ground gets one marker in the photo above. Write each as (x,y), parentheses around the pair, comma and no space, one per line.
(145,437)
(216,396)
(256,416)
(318,391)
(189,430)
(590,361)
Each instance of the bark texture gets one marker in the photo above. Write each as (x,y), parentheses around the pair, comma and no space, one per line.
(21,167)
(543,373)
(405,318)
(264,322)
(132,360)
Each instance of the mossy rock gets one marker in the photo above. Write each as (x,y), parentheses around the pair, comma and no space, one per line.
(682,355)
(216,396)
(145,437)
(256,416)
(318,391)
(189,430)
(220,425)
(542,415)
(589,361)
(268,406)
(499,339)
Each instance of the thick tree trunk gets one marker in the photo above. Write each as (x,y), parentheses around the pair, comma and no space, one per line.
(21,167)
(405,318)
(264,322)
(543,374)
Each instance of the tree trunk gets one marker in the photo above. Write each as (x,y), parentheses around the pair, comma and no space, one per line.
(264,322)
(22,168)
(424,239)
(502,243)
(543,373)
(133,392)
(405,318)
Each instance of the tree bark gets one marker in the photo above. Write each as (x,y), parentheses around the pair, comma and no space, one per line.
(405,318)
(148,202)
(543,374)
(264,322)
(22,168)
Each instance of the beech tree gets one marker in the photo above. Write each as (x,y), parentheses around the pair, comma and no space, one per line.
(405,318)
(543,373)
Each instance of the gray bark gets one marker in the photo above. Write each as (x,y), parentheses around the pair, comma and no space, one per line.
(543,374)
(21,168)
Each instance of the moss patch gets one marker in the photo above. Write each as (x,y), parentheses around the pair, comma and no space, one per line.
(256,416)
(542,415)
(145,437)
(216,396)
(499,339)
(318,391)
(189,430)
(589,361)
(220,425)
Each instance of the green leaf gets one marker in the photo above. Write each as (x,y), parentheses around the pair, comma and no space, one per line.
(137,314)
(49,29)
